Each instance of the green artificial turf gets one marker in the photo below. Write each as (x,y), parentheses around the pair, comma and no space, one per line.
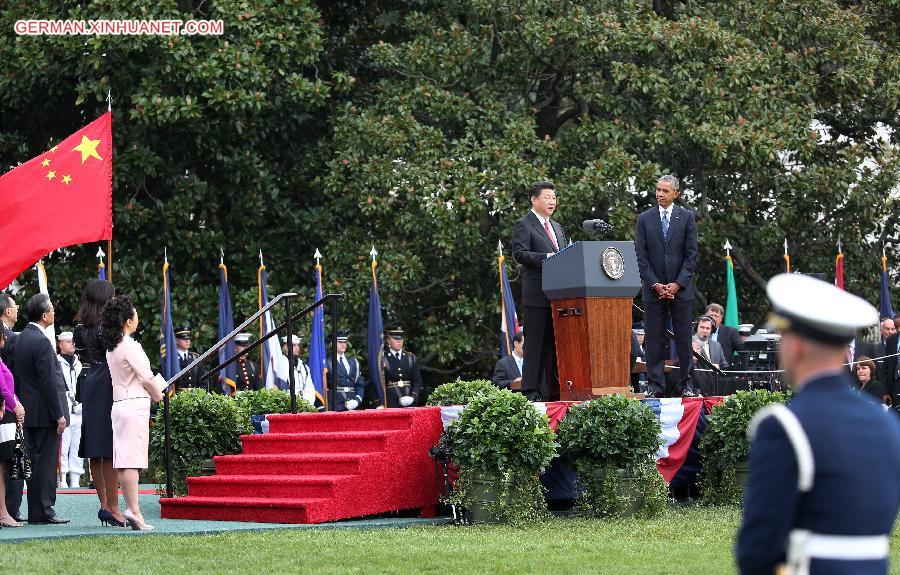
(690,540)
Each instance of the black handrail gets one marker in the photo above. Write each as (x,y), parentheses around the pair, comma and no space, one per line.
(289,319)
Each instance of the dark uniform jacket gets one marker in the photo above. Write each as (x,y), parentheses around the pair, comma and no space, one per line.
(247,376)
(401,377)
(855,491)
(7,353)
(350,385)
(191,378)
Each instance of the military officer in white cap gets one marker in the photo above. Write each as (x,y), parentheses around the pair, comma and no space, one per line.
(71,467)
(303,382)
(824,484)
(351,385)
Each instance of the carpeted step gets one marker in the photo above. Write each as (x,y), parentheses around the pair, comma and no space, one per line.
(367,420)
(291,464)
(392,472)
(316,442)
(257,510)
(265,486)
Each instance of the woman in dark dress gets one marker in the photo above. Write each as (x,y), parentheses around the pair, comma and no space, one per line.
(94,388)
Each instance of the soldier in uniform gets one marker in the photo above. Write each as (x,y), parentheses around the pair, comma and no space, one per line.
(823,490)
(303,383)
(248,376)
(403,381)
(351,385)
(185,357)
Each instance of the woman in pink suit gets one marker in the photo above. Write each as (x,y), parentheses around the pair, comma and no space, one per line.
(133,388)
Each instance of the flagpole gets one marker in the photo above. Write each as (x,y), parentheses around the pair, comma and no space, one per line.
(500,260)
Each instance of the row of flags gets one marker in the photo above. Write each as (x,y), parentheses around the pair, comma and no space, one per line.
(274,363)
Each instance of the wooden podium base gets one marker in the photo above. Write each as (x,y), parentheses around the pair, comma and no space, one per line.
(593,346)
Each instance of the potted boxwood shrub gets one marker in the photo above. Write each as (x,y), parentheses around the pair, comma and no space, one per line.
(460,392)
(202,425)
(612,441)
(724,445)
(501,444)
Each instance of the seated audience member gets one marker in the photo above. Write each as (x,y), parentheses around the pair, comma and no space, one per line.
(508,371)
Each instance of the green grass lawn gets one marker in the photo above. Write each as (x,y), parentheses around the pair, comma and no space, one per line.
(695,540)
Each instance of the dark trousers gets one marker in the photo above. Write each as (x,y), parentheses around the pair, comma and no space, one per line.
(14,489)
(656,320)
(43,447)
(540,379)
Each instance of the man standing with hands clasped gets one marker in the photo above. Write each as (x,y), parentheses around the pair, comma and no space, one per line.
(666,247)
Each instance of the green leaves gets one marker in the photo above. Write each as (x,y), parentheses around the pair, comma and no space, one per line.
(502,432)
(202,425)
(460,392)
(610,431)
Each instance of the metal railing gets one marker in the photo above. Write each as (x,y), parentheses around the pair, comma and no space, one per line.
(287,328)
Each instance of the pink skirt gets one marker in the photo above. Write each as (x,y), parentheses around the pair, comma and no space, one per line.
(131,433)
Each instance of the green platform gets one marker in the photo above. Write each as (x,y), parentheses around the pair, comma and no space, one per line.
(82,510)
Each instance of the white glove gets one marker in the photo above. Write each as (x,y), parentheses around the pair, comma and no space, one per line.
(406,400)
(351,404)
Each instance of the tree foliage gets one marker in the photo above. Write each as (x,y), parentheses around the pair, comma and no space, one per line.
(417,127)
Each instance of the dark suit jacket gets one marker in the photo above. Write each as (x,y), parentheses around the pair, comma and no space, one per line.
(38,378)
(730,341)
(530,246)
(505,372)
(889,374)
(667,261)
(7,354)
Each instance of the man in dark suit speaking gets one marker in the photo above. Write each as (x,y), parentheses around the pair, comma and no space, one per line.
(666,247)
(535,237)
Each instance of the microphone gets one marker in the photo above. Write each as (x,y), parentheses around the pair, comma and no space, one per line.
(598,226)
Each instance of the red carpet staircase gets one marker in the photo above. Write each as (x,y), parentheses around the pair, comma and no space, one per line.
(318,467)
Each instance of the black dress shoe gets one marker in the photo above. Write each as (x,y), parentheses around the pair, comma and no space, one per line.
(689,393)
(653,395)
(17,518)
(55,520)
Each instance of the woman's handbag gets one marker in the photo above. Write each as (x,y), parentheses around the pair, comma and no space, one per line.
(21,461)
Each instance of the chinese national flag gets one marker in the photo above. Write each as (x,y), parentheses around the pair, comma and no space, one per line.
(60,198)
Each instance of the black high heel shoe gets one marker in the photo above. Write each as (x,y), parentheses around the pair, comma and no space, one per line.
(107,518)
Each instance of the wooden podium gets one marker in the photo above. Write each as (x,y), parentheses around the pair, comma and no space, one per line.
(591,286)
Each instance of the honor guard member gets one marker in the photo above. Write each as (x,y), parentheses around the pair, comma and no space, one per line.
(71,467)
(185,357)
(823,490)
(303,382)
(350,383)
(247,377)
(403,381)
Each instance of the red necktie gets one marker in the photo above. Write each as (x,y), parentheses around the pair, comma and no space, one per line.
(550,233)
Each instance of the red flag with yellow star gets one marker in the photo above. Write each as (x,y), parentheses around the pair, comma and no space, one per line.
(60,198)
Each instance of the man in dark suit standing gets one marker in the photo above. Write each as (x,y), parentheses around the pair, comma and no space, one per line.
(666,247)
(535,237)
(890,374)
(38,381)
(728,337)
(508,370)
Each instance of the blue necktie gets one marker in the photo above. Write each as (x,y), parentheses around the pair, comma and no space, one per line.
(665,225)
